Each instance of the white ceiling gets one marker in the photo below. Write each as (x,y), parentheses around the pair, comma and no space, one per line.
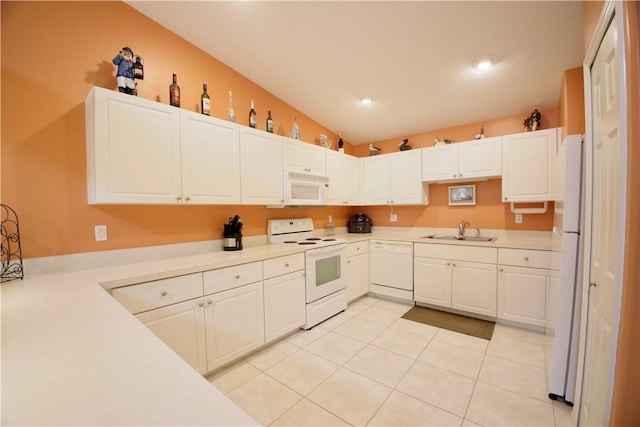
(413,57)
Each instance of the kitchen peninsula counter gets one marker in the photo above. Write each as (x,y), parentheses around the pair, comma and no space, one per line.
(72,355)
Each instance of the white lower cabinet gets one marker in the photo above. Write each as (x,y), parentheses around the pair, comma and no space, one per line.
(283,304)
(523,284)
(234,323)
(357,270)
(458,277)
(181,327)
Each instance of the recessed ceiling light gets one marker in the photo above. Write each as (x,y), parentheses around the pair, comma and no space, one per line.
(366,100)
(484,62)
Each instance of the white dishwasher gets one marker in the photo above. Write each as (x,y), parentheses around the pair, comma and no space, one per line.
(392,268)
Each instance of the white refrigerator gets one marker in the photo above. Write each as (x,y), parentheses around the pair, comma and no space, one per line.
(568,222)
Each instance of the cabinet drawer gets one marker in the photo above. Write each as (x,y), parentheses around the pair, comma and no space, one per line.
(231,277)
(159,293)
(357,248)
(456,252)
(524,258)
(283,265)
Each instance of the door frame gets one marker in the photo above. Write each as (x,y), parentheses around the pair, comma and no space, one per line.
(612,10)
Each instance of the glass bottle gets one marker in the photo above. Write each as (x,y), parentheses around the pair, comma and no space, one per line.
(253,119)
(205,101)
(174,92)
(269,122)
(231,112)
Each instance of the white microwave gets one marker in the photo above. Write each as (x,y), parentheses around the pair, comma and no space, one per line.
(301,189)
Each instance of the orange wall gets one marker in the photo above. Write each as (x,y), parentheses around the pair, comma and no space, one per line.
(489,211)
(572,102)
(52,54)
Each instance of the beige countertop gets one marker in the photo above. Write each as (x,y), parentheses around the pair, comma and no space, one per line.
(72,355)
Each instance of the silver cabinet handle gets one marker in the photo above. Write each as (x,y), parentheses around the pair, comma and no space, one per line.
(506,198)
(209,302)
(454,264)
(237,276)
(502,269)
(286,265)
(200,304)
(448,263)
(526,258)
(187,198)
(179,198)
(164,293)
(592,284)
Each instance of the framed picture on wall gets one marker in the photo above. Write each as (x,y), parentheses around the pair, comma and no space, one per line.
(461,195)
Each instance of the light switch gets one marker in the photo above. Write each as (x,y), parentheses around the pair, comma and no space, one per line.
(393,217)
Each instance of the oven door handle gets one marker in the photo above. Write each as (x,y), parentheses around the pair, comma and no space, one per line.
(327,249)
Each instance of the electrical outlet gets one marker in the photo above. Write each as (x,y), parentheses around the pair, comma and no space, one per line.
(518,218)
(393,217)
(101,233)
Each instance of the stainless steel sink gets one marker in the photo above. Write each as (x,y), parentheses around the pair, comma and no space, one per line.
(463,238)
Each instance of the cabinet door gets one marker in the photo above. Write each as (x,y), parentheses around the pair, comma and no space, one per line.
(234,323)
(527,165)
(337,173)
(210,160)
(522,294)
(284,304)
(474,287)
(261,167)
(406,178)
(302,157)
(376,180)
(353,178)
(357,276)
(480,159)
(181,327)
(133,150)
(432,281)
(440,163)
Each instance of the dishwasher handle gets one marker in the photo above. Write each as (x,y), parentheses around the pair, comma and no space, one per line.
(389,246)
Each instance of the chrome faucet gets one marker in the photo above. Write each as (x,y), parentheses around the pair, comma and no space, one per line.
(462,226)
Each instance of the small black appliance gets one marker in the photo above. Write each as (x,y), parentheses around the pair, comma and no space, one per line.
(359,223)
(232,235)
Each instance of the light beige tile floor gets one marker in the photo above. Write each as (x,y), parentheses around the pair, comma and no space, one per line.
(367,366)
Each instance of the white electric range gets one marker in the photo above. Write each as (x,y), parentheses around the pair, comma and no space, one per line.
(326,267)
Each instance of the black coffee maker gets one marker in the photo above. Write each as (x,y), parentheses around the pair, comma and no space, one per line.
(232,235)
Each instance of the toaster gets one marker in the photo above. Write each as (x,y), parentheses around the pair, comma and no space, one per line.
(359,223)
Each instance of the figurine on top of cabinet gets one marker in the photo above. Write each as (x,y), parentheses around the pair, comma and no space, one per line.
(532,122)
(125,73)
(404,145)
(373,150)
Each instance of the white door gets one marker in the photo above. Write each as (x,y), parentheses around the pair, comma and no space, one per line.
(376,180)
(440,163)
(406,178)
(432,281)
(181,327)
(606,256)
(283,304)
(261,167)
(473,287)
(234,323)
(210,160)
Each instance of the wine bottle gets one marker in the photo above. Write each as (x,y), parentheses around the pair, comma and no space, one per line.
(231,112)
(269,122)
(174,92)
(205,101)
(253,119)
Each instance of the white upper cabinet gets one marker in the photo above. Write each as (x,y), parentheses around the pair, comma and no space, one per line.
(394,179)
(345,176)
(261,167)
(479,159)
(527,166)
(302,157)
(210,160)
(133,150)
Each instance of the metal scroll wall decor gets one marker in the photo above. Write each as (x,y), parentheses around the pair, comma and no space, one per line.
(11,249)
